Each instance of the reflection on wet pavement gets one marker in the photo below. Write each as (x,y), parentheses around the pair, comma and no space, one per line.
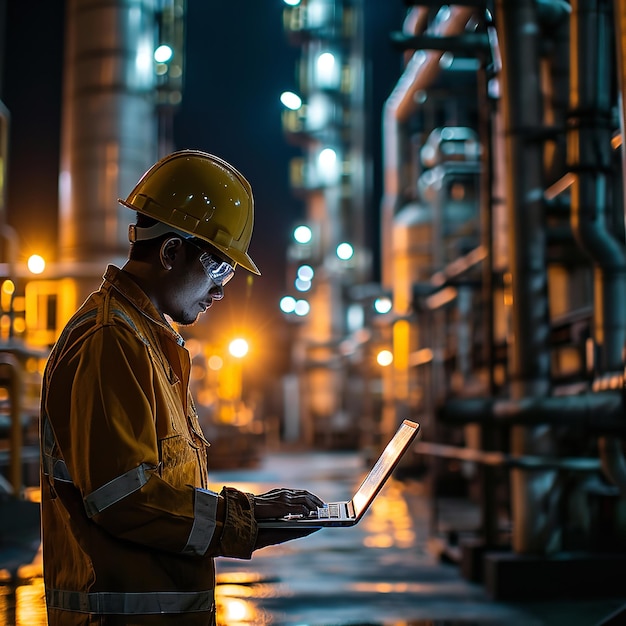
(22,597)
(378,573)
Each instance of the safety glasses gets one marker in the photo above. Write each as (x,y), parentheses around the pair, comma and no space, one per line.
(217,270)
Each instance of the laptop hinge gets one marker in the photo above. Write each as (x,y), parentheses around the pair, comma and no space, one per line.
(350,508)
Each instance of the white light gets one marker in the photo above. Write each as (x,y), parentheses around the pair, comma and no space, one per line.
(326,69)
(327,157)
(326,61)
(291,100)
(345,251)
(319,111)
(355,317)
(163,54)
(302,234)
(384,358)
(327,163)
(144,65)
(305,272)
(382,305)
(238,347)
(302,285)
(288,304)
(302,308)
(292,3)
(36,264)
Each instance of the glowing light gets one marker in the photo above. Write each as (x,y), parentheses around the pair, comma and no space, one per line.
(328,166)
(345,251)
(384,358)
(163,54)
(306,272)
(383,305)
(327,70)
(287,304)
(292,3)
(327,158)
(238,347)
(302,285)
(302,308)
(36,264)
(215,362)
(291,100)
(302,234)
(236,610)
(8,287)
(143,61)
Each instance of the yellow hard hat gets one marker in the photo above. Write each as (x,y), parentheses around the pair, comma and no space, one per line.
(201,195)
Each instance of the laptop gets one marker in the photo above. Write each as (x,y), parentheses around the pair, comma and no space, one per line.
(349,513)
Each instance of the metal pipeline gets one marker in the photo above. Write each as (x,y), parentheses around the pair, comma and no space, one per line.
(619,17)
(419,73)
(598,413)
(611,449)
(589,161)
(529,355)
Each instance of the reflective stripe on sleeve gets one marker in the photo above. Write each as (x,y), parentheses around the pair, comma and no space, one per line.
(117,489)
(109,603)
(204,522)
(56,469)
(53,466)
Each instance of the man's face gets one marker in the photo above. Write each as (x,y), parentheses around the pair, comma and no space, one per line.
(194,291)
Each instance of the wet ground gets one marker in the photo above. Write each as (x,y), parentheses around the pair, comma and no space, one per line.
(378,573)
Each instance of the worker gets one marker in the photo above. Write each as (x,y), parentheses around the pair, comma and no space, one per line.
(130,526)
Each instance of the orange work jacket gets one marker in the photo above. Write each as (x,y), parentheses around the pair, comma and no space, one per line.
(129,525)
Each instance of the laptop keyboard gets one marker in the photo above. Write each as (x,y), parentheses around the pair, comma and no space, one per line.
(330,511)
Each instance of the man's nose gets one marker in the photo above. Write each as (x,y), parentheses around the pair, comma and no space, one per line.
(216,292)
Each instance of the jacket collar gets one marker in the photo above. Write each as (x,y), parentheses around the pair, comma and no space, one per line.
(127,287)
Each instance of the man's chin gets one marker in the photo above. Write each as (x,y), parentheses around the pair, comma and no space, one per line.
(184,320)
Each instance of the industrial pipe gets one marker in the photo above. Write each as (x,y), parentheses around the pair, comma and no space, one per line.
(420,72)
(589,161)
(529,353)
(619,17)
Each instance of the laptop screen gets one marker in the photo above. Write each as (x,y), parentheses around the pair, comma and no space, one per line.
(384,466)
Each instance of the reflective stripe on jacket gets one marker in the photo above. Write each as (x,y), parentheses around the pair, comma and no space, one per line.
(129,524)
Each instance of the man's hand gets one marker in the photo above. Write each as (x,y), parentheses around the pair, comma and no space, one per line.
(278,503)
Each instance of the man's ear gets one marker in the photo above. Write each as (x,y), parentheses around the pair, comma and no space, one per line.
(170,249)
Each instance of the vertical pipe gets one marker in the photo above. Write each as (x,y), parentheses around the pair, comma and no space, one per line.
(619,16)
(489,515)
(589,160)
(529,359)
(419,73)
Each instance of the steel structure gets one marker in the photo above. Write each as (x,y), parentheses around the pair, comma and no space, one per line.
(503,246)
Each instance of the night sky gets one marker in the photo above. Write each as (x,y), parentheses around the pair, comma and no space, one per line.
(238,61)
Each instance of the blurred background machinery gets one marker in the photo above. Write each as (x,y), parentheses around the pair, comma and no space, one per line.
(502,253)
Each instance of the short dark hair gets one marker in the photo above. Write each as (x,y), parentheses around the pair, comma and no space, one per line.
(142,250)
